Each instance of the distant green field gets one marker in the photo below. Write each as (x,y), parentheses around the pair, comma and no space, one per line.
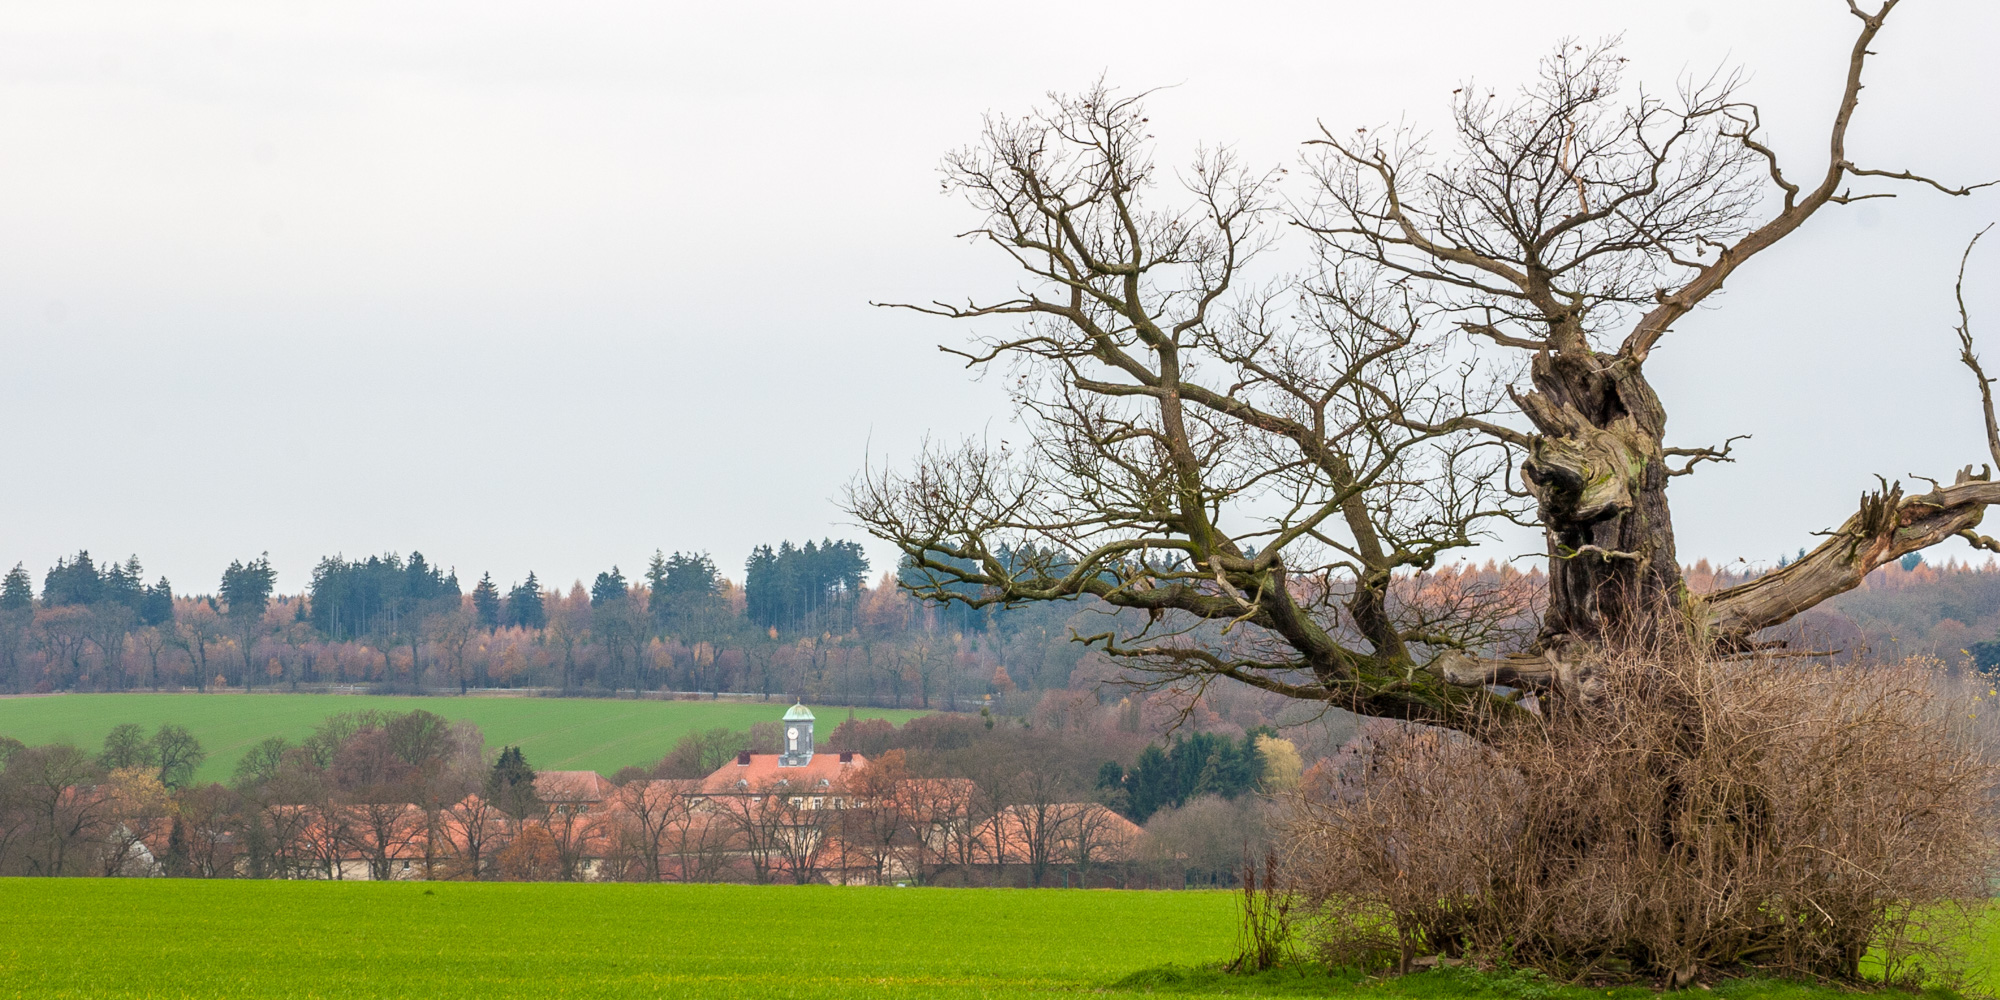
(70,939)
(583,734)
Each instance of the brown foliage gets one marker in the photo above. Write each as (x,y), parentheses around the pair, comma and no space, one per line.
(1696,816)
(532,857)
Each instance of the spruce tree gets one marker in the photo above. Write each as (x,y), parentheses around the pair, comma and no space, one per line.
(156,605)
(124,584)
(510,786)
(72,582)
(246,588)
(608,587)
(524,605)
(486,602)
(17,592)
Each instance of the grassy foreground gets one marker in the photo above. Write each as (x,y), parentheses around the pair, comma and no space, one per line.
(583,734)
(161,938)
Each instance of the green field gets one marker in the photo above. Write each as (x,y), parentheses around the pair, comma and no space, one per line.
(583,734)
(161,938)
(166,939)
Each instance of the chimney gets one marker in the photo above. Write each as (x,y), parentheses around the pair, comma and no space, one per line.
(743,759)
(847,756)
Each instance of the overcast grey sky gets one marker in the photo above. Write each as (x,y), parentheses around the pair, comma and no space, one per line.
(549,286)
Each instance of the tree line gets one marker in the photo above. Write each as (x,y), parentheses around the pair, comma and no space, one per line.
(398,623)
(804,622)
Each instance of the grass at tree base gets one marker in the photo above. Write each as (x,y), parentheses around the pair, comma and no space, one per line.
(1468,984)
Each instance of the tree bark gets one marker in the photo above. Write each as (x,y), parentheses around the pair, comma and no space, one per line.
(1597,468)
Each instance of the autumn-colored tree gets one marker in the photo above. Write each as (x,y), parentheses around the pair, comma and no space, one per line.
(138,804)
(531,856)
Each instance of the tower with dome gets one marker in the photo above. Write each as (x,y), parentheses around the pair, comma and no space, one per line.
(798,746)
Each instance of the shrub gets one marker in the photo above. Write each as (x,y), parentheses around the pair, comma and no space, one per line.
(1692,817)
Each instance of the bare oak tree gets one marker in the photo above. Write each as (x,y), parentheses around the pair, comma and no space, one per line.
(1259,463)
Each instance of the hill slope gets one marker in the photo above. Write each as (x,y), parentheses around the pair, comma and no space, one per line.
(585,734)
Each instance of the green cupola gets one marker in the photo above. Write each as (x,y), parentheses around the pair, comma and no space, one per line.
(798,737)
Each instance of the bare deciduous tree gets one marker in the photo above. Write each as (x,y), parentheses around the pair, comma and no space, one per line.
(1254,461)
(653,811)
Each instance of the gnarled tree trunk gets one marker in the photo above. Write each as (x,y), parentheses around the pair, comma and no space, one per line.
(1597,468)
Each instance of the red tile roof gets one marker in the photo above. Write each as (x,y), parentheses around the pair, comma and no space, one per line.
(572,786)
(763,772)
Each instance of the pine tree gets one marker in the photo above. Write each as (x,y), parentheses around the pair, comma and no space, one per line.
(124,584)
(246,588)
(156,606)
(524,605)
(656,572)
(510,786)
(486,602)
(72,582)
(608,587)
(761,598)
(687,596)
(176,862)
(17,592)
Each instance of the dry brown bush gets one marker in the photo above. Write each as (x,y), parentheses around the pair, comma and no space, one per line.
(1696,817)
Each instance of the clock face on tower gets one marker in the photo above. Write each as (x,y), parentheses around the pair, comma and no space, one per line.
(792,733)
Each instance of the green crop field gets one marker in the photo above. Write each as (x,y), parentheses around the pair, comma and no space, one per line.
(584,734)
(163,939)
